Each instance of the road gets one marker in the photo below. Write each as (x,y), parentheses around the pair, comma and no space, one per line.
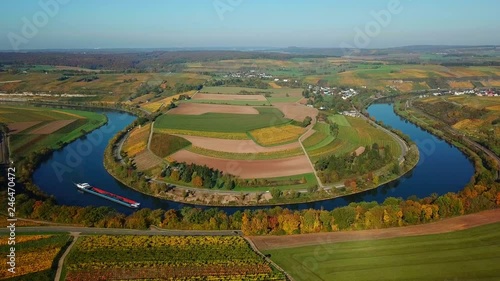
(120,231)
(118,149)
(320,184)
(60,264)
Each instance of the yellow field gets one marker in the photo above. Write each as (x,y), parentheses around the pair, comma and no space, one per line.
(274,85)
(461,84)
(468,124)
(25,238)
(137,140)
(277,135)
(493,108)
(477,102)
(491,83)
(215,135)
(154,106)
(404,87)
(350,78)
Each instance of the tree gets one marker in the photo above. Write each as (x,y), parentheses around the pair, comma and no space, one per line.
(198,181)
(175,175)
(276,193)
(307,121)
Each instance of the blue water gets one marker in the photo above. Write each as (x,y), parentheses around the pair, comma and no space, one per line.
(441,169)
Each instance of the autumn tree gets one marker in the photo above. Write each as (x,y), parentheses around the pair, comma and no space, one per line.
(197,181)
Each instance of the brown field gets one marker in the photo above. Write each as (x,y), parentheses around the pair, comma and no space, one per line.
(17,127)
(198,109)
(250,169)
(146,160)
(200,96)
(52,127)
(296,111)
(235,146)
(461,84)
(448,225)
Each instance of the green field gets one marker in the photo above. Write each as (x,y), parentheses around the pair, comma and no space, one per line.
(463,255)
(320,138)
(225,123)
(281,183)
(165,144)
(353,133)
(246,156)
(25,142)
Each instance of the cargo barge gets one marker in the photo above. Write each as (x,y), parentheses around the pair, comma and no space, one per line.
(108,195)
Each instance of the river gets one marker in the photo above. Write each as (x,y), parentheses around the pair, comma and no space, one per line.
(442,168)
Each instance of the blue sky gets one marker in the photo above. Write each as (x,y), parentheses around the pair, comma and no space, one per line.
(241,23)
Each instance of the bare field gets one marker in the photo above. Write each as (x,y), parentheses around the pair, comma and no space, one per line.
(219,97)
(198,109)
(296,111)
(250,169)
(52,127)
(17,127)
(235,146)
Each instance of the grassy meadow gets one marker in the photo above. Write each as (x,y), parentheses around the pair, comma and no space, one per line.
(472,254)
(353,133)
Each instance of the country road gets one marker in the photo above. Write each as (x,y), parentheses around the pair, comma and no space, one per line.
(120,231)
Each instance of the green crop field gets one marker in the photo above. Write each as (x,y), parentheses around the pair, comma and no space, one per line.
(165,144)
(472,254)
(247,156)
(339,120)
(353,133)
(320,138)
(282,183)
(225,123)
(25,142)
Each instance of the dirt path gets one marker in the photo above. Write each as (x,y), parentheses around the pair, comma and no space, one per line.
(448,225)
(63,257)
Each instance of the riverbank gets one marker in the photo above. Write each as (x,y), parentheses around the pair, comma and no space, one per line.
(422,120)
